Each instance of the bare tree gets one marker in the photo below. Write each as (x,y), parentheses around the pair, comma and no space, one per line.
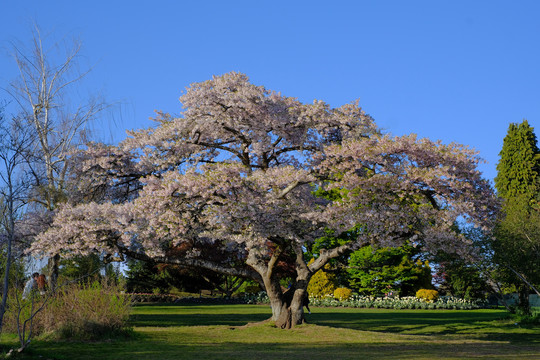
(44,91)
(15,141)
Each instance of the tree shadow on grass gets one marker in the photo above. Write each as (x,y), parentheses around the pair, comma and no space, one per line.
(485,325)
(375,351)
(163,320)
(280,350)
(479,325)
(201,315)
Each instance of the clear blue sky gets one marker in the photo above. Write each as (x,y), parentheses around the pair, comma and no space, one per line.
(459,71)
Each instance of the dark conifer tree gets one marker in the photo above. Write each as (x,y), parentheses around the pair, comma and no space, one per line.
(517,244)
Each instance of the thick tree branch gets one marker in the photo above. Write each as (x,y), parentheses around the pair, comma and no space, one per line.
(326,255)
(291,187)
(194,263)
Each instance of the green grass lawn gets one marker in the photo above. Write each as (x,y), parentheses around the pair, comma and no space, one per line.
(220,332)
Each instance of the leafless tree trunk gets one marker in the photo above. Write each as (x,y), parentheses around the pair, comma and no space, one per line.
(41,91)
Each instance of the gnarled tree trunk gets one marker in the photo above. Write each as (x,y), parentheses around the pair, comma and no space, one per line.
(288,306)
(292,308)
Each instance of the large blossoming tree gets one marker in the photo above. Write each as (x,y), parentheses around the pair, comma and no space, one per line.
(246,180)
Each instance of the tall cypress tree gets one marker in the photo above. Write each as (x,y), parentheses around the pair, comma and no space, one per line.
(517,244)
(519,165)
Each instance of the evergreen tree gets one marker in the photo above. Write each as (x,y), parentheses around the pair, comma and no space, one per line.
(517,244)
(519,165)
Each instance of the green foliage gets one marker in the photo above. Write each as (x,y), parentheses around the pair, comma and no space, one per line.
(385,270)
(342,294)
(338,265)
(427,295)
(152,298)
(527,318)
(88,269)
(517,241)
(322,283)
(329,241)
(19,310)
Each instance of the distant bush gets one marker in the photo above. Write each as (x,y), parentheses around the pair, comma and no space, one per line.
(342,294)
(151,297)
(427,295)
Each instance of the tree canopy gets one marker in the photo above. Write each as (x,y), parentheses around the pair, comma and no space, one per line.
(246,179)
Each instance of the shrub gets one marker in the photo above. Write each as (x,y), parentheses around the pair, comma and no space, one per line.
(88,312)
(322,283)
(427,295)
(342,294)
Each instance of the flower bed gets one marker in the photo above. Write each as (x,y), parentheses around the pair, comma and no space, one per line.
(358,301)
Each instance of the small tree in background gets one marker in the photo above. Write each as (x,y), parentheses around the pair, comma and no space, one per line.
(457,277)
(144,277)
(380,271)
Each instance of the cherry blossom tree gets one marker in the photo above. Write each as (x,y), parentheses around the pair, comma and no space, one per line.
(246,179)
